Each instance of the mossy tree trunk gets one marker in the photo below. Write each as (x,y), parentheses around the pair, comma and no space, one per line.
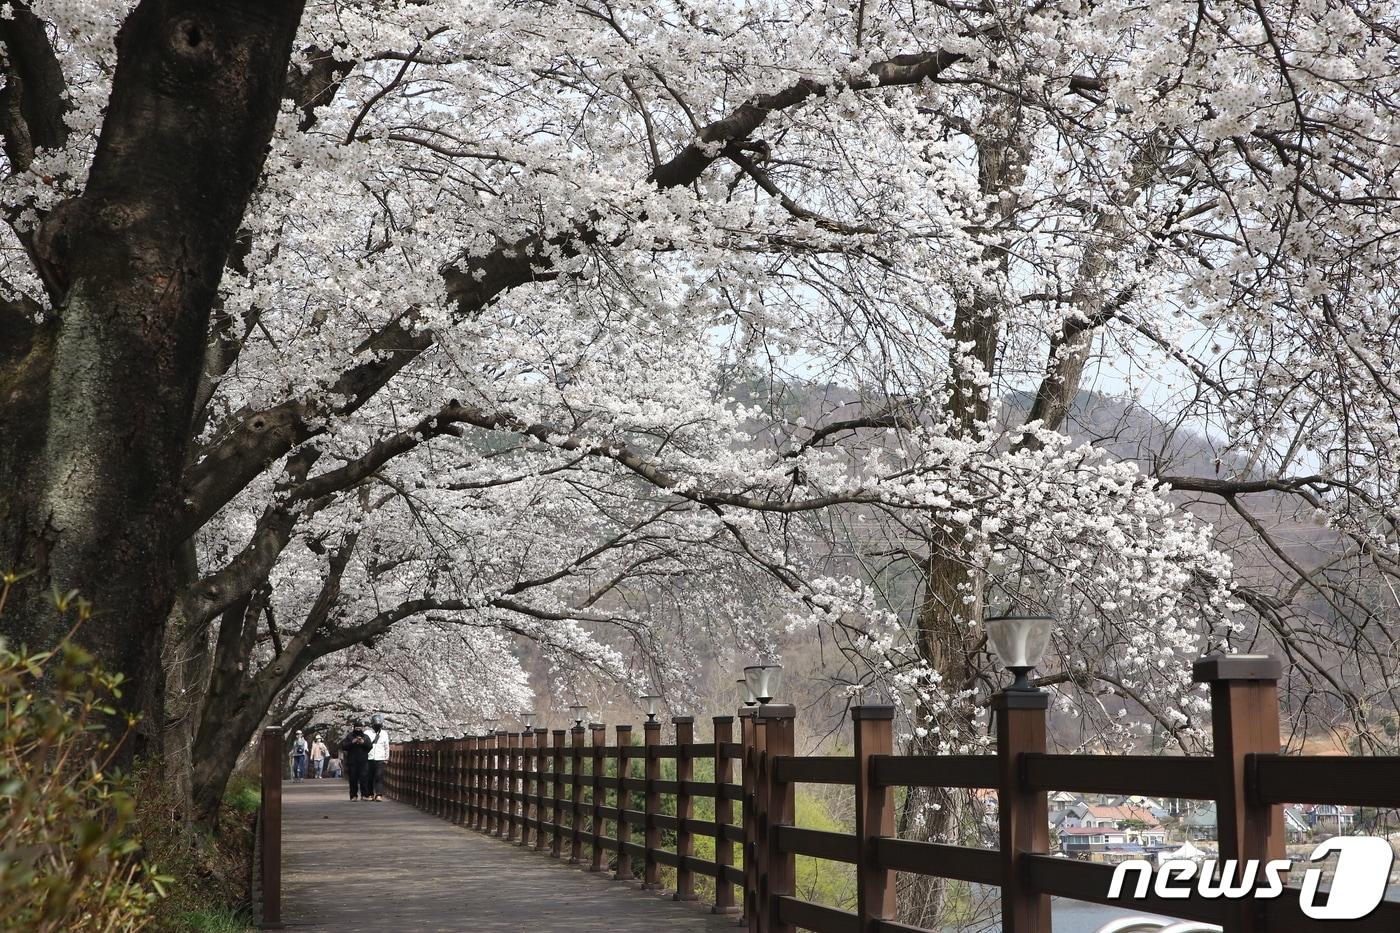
(96,402)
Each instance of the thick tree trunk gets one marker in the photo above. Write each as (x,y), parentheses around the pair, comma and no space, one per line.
(100,404)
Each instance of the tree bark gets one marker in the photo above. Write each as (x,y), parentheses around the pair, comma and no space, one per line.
(101,402)
(953,590)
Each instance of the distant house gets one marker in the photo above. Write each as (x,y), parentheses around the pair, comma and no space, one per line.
(1084,840)
(1329,818)
(1295,824)
(1137,824)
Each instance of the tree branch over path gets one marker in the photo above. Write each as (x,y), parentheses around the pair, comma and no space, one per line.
(254,439)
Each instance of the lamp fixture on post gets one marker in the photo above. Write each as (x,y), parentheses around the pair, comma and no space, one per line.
(528,718)
(578,711)
(1019,643)
(491,725)
(764,681)
(744,691)
(652,702)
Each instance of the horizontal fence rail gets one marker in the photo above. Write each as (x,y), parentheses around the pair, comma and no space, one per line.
(613,807)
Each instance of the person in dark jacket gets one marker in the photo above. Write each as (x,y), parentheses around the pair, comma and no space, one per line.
(354,751)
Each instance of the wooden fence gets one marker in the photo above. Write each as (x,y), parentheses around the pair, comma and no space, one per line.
(581,800)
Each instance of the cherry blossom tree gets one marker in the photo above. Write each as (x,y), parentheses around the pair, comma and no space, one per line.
(404,329)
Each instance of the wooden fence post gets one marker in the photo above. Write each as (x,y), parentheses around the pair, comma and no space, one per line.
(651,805)
(576,795)
(685,806)
(270,827)
(493,816)
(541,785)
(473,820)
(454,780)
(439,748)
(724,815)
(778,869)
(1021,811)
(512,760)
(502,787)
(469,820)
(527,771)
(479,783)
(416,763)
(429,775)
(599,794)
(748,814)
(556,841)
(1245,721)
(624,798)
(874,735)
(464,780)
(447,785)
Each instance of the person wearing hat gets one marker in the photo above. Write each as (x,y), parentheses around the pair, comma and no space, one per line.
(354,751)
(297,754)
(378,755)
(319,754)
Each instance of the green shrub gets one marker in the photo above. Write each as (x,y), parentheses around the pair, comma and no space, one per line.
(210,868)
(67,858)
(244,794)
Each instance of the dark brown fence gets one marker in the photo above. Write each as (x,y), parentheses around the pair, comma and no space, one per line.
(267,879)
(571,797)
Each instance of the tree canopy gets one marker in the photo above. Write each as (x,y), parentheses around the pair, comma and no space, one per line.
(386,335)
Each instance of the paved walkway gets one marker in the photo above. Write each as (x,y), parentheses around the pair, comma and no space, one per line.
(384,867)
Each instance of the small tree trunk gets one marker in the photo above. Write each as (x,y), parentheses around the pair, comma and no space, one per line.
(944,639)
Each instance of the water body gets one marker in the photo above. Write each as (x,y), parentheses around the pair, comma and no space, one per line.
(1068,916)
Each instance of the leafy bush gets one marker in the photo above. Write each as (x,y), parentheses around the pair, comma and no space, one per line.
(67,858)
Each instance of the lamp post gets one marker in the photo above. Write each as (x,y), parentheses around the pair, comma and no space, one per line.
(652,702)
(749,699)
(764,681)
(491,725)
(578,711)
(527,717)
(1019,643)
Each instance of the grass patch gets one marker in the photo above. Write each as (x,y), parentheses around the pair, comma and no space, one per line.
(244,794)
(209,893)
(214,920)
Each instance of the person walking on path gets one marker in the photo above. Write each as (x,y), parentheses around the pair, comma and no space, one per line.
(319,754)
(354,751)
(378,756)
(298,756)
